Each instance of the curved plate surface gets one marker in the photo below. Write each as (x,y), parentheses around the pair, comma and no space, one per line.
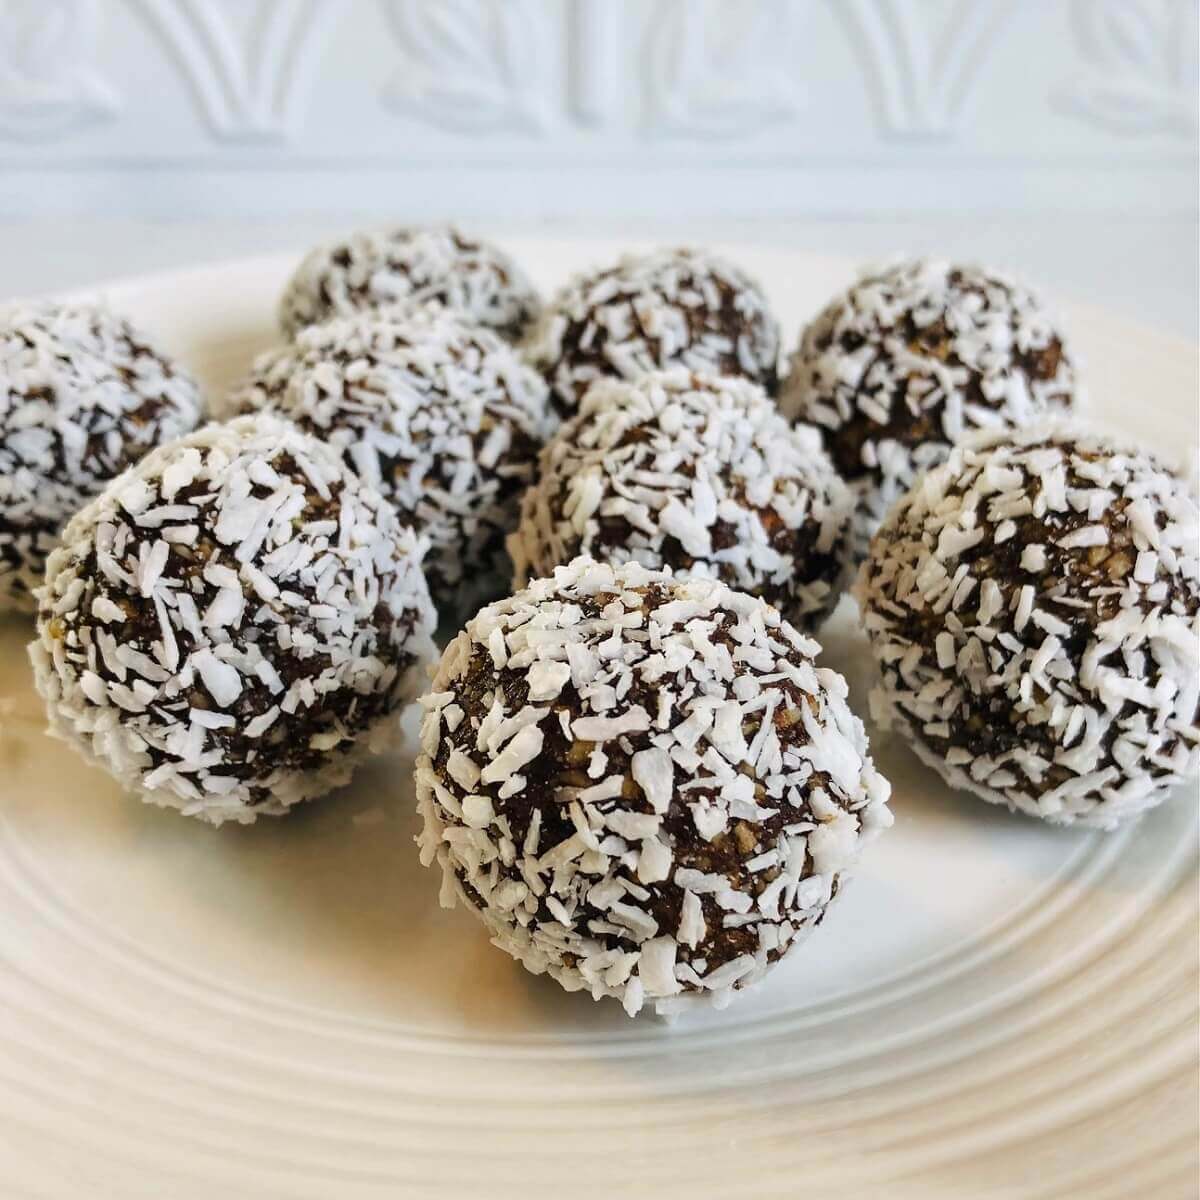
(996,1009)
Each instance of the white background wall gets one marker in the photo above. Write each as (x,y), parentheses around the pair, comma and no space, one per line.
(521,107)
(1057,137)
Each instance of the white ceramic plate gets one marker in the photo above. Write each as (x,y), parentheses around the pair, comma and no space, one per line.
(997,1009)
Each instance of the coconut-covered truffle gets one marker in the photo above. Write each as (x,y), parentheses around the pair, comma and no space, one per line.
(1033,607)
(697,473)
(232,622)
(665,309)
(440,416)
(410,265)
(82,395)
(643,786)
(911,359)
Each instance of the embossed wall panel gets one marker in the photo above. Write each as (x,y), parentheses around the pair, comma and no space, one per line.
(561,106)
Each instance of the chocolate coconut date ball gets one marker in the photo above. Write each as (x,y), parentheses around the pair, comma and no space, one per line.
(642,785)
(669,308)
(82,396)
(697,473)
(1033,606)
(440,416)
(911,359)
(412,264)
(232,623)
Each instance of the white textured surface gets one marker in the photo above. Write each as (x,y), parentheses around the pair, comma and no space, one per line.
(636,106)
(282,1011)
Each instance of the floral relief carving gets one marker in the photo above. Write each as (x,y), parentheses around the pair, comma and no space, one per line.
(1140,72)
(594,80)
(716,69)
(595,59)
(470,66)
(249,65)
(48,85)
(922,75)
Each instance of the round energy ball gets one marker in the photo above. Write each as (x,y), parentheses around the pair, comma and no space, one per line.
(642,785)
(669,308)
(232,623)
(697,473)
(410,264)
(1033,604)
(440,416)
(911,359)
(82,395)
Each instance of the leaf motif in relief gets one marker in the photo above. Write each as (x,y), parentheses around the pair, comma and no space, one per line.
(48,85)
(719,70)
(922,61)
(250,66)
(1140,73)
(470,66)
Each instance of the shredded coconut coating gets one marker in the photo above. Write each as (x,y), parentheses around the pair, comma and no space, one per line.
(1033,606)
(665,309)
(440,417)
(642,785)
(232,623)
(913,358)
(82,396)
(697,473)
(413,264)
